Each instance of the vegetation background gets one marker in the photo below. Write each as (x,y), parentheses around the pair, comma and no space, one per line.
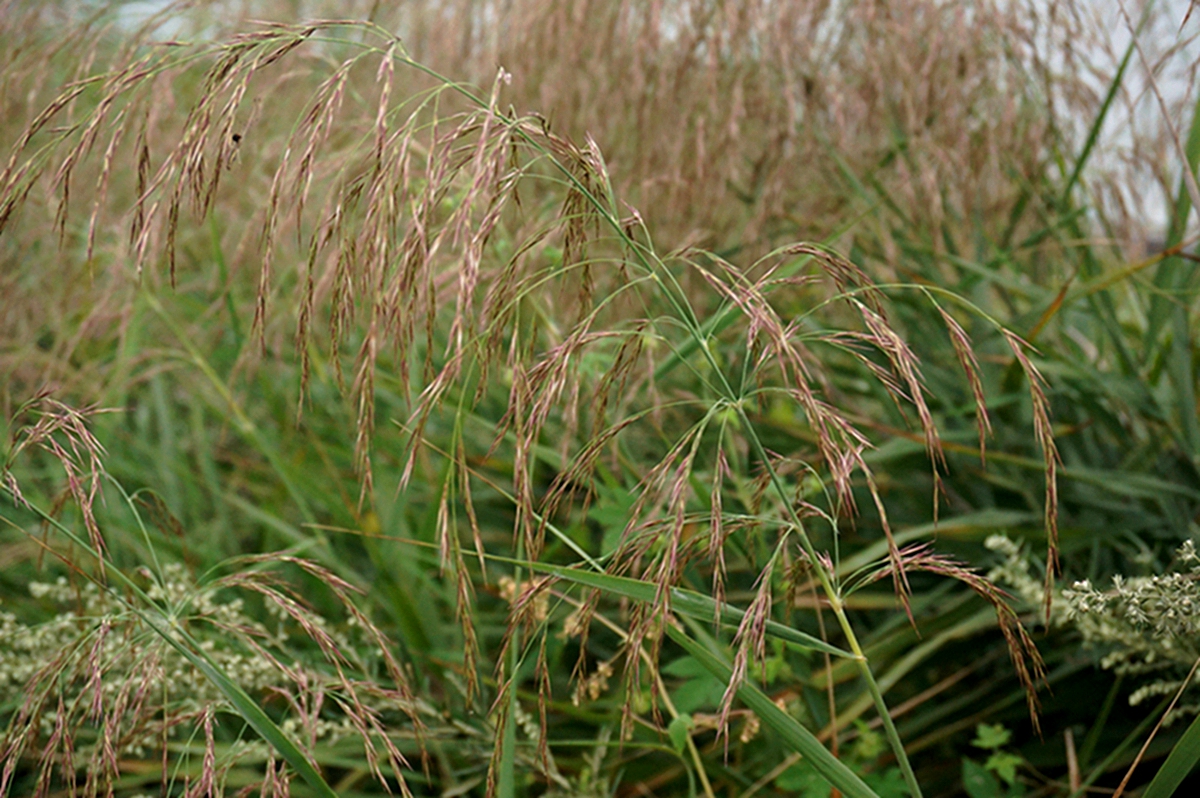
(594,398)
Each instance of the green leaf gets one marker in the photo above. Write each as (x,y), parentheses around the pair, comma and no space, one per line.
(678,732)
(611,511)
(1004,765)
(699,690)
(889,783)
(1181,762)
(978,782)
(802,779)
(791,733)
(870,743)
(991,736)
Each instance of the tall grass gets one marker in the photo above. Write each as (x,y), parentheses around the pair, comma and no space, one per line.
(431,346)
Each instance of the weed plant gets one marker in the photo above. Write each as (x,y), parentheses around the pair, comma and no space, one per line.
(437,471)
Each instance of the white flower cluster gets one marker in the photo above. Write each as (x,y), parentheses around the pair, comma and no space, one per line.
(1142,625)
(25,650)
(327,730)
(101,654)
(1014,572)
(1148,623)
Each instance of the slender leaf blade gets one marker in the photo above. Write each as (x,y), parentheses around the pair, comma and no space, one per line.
(795,736)
(685,602)
(1180,763)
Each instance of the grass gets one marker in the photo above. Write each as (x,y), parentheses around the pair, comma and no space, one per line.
(513,440)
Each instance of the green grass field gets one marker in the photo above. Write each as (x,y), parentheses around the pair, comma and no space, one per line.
(597,399)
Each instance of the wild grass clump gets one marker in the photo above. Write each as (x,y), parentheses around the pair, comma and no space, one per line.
(399,245)
(426,347)
(145,660)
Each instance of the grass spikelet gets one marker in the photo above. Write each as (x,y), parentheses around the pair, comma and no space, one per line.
(1044,433)
(1024,654)
(542,678)
(970,366)
(717,532)
(749,643)
(62,432)
(904,364)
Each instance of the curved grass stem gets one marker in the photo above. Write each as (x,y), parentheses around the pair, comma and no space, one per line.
(826,580)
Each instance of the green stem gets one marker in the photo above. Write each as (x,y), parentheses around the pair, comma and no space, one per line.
(839,610)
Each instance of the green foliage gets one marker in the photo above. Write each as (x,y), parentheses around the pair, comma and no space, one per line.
(997,776)
(991,737)
(802,778)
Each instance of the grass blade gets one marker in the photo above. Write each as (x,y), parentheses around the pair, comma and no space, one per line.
(246,706)
(1182,761)
(685,602)
(795,736)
